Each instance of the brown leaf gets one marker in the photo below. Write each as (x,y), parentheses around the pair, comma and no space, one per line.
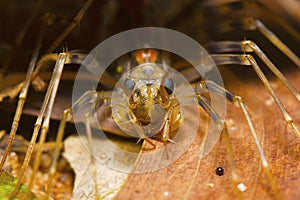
(280,145)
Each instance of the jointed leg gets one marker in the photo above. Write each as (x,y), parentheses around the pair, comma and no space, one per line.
(238,101)
(90,147)
(139,130)
(71,26)
(167,128)
(255,24)
(47,61)
(166,133)
(264,7)
(221,124)
(248,46)
(223,59)
(22,97)
(61,59)
(92,164)
(19,39)
(50,96)
(57,149)
(88,98)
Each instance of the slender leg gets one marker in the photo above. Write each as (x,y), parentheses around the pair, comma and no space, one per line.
(139,130)
(255,24)
(50,96)
(19,39)
(57,149)
(46,121)
(223,59)
(166,134)
(47,61)
(92,98)
(31,74)
(89,97)
(238,101)
(22,97)
(221,124)
(249,46)
(278,19)
(90,146)
(92,164)
(71,26)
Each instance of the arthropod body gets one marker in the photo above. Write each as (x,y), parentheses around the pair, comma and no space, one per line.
(150,97)
(147,102)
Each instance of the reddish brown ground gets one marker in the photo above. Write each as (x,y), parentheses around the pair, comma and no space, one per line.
(281,147)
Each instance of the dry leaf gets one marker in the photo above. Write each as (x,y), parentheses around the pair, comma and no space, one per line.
(108,180)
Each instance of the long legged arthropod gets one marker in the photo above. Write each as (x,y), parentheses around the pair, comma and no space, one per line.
(245,47)
(25,87)
(50,95)
(216,47)
(135,116)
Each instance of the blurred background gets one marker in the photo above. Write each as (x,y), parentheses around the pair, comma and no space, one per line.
(203,20)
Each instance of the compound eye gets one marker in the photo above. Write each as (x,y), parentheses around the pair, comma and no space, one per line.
(169,86)
(129,83)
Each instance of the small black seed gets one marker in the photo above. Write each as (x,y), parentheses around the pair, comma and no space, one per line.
(220,171)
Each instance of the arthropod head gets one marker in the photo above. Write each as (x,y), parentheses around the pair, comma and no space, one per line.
(148,89)
(148,99)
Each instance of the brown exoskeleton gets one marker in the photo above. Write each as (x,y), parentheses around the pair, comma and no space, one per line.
(152,105)
(151,101)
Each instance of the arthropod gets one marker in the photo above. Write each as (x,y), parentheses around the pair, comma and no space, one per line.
(142,98)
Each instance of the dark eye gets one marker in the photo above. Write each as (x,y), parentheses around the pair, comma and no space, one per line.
(169,86)
(129,83)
